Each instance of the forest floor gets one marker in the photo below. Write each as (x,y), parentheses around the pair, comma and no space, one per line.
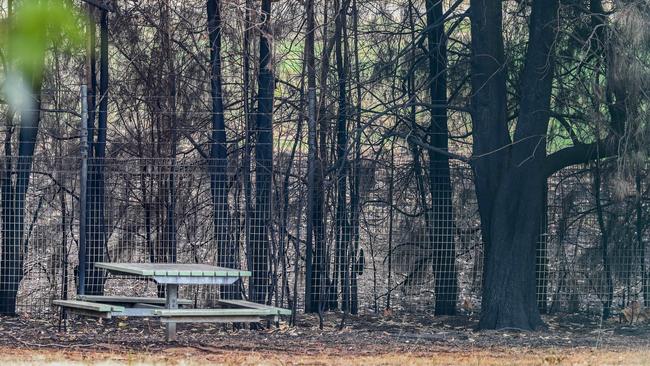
(385,340)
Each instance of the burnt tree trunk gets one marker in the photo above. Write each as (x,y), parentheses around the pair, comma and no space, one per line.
(311,154)
(13,190)
(316,273)
(246,160)
(13,201)
(218,161)
(510,178)
(260,281)
(442,218)
(356,253)
(95,202)
(171,137)
(341,271)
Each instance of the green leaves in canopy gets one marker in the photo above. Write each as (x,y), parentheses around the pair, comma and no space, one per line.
(26,36)
(35,26)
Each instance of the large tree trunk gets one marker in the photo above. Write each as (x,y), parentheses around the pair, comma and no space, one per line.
(263,164)
(490,132)
(509,290)
(510,179)
(442,225)
(218,162)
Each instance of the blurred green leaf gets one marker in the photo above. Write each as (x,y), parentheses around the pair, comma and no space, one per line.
(37,25)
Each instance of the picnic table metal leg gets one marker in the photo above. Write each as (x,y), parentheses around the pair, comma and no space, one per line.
(171,302)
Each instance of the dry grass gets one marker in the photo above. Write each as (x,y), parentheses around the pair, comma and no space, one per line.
(193,356)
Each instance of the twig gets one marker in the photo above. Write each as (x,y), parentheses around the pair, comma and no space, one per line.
(55,345)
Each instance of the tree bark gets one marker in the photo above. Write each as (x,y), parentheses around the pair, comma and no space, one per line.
(442,225)
(246,161)
(260,280)
(341,270)
(509,178)
(316,273)
(218,162)
(13,192)
(356,253)
(95,221)
(310,305)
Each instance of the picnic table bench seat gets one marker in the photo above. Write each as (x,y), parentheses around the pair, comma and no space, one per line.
(254,305)
(243,315)
(88,308)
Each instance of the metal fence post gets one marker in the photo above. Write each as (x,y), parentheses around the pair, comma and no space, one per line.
(82,187)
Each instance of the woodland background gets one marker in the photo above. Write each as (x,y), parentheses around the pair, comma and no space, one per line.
(359,156)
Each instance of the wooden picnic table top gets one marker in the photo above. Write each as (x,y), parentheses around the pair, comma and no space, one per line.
(171,269)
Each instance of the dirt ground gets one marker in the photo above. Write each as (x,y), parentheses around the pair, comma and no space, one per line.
(381,340)
(190,356)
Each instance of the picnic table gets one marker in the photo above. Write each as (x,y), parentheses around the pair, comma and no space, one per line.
(171,275)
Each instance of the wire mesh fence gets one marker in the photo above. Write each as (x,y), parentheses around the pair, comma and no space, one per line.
(382,246)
